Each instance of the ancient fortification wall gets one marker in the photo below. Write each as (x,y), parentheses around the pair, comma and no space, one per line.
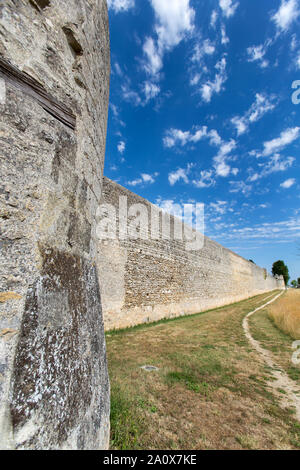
(146,280)
(54,84)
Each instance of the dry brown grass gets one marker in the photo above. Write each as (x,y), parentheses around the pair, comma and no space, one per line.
(210,391)
(286,313)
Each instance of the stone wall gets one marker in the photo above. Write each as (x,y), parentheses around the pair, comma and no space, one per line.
(54,85)
(146,280)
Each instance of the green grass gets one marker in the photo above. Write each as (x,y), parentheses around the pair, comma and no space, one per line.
(125,420)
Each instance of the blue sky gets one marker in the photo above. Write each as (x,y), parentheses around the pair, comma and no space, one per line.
(201,111)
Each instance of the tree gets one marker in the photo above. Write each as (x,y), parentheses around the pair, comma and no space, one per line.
(298,280)
(281,269)
(294,283)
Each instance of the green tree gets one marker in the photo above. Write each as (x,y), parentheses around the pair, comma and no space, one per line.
(281,269)
(298,281)
(294,283)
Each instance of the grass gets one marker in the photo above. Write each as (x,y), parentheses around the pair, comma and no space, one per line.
(210,391)
(265,330)
(126,421)
(286,313)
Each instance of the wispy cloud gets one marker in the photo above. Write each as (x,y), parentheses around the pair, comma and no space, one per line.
(274,165)
(121,147)
(179,174)
(130,95)
(220,207)
(177,137)
(151,90)
(174,21)
(257,54)
(120,5)
(258,109)
(224,37)
(228,7)
(154,61)
(288,183)
(206,47)
(206,179)
(240,187)
(213,18)
(220,160)
(145,178)
(285,230)
(288,13)
(286,137)
(215,86)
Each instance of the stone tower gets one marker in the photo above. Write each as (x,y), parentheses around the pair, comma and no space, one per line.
(54,88)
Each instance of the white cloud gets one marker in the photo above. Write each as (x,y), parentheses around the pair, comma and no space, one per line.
(257,54)
(195,79)
(222,169)
(221,166)
(228,7)
(118,69)
(224,37)
(114,109)
(120,5)
(261,106)
(240,124)
(288,183)
(180,174)
(174,21)
(274,165)
(214,87)
(206,179)
(151,90)
(205,48)
(131,96)
(175,137)
(285,230)
(213,18)
(288,13)
(220,207)
(286,137)
(145,178)
(154,58)
(215,139)
(121,147)
(294,42)
(149,178)
(240,187)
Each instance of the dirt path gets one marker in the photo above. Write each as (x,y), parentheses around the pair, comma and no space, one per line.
(291,398)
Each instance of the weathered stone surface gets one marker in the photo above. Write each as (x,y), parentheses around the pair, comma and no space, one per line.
(54,388)
(146,280)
